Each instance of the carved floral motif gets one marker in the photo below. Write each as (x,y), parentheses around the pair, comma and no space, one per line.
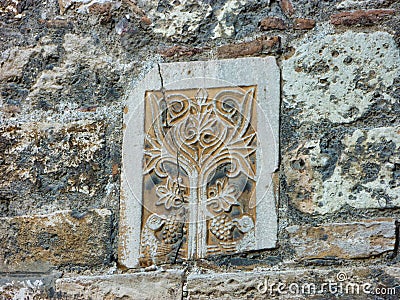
(199,173)
(170,195)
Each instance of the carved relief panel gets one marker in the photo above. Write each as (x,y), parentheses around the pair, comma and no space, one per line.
(199,173)
(198,158)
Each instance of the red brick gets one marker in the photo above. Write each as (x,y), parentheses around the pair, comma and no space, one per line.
(87,108)
(303,23)
(178,51)
(257,46)
(100,8)
(55,23)
(361,17)
(272,23)
(115,169)
(145,20)
(286,7)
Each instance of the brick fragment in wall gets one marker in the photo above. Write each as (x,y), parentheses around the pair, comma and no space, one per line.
(56,23)
(179,51)
(151,285)
(32,243)
(343,240)
(258,46)
(361,17)
(301,24)
(286,7)
(271,23)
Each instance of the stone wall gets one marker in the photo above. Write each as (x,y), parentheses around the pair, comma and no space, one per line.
(66,69)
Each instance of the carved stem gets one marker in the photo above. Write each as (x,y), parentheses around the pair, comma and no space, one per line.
(192,234)
(201,217)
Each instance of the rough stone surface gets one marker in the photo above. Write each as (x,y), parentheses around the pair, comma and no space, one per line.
(139,286)
(365,175)
(28,286)
(346,283)
(13,62)
(345,103)
(58,239)
(57,106)
(354,4)
(335,77)
(182,17)
(343,240)
(51,86)
(66,161)
(177,20)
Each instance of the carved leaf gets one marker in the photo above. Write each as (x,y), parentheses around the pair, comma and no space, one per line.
(240,149)
(222,196)
(201,97)
(171,195)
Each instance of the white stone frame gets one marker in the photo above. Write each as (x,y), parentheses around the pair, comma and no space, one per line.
(261,72)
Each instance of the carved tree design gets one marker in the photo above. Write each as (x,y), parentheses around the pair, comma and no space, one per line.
(191,138)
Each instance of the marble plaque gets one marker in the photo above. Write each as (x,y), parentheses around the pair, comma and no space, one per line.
(199,151)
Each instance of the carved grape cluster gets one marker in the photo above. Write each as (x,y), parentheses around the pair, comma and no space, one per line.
(172,231)
(221,226)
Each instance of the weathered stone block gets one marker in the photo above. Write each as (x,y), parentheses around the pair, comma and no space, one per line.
(47,166)
(344,240)
(335,76)
(365,174)
(33,243)
(345,283)
(335,80)
(358,4)
(139,286)
(33,286)
(204,137)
